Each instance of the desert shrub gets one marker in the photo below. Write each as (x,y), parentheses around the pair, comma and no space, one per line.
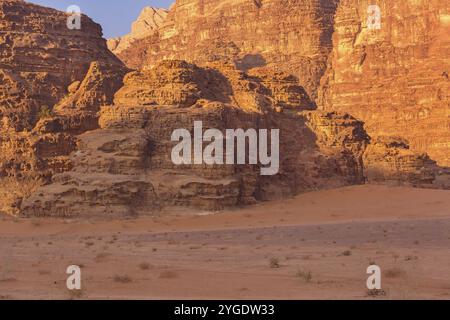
(45,112)
(274,263)
(304,275)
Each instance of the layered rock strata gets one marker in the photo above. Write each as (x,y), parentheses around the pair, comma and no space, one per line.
(395,78)
(293,36)
(126,167)
(146,25)
(52,83)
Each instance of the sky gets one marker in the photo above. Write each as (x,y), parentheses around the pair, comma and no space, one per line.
(115,16)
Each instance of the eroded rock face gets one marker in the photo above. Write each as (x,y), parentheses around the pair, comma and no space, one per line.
(41,57)
(293,36)
(146,25)
(125,167)
(52,83)
(179,83)
(396,79)
(78,138)
(390,160)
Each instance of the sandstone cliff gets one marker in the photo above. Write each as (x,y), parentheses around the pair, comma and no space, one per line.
(396,79)
(125,168)
(146,25)
(81,135)
(43,62)
(293,36)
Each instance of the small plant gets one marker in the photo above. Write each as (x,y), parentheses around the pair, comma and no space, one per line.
(274,263)
(304,275)
(394,273)
(144,266)
(89,244)
(347,253)
(101,256)
(45,112)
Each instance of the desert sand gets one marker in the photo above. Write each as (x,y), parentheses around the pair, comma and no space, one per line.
(314,246)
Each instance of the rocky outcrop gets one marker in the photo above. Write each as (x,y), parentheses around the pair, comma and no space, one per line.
(293,36)
(146,25)
(125,167)
(41,57)
(390,160)
(52,83)
(394,78)
(78,138)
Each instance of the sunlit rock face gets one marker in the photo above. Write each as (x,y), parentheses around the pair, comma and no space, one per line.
(146,25)
(52,83)
(125,168)
(396,78)
(81,134)
(288,35)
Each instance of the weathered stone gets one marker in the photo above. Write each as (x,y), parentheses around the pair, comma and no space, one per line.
(133,146)
(395,78)
(41,63)
(146,25)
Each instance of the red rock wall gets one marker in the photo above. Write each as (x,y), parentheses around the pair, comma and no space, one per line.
(292,35)
(396,79)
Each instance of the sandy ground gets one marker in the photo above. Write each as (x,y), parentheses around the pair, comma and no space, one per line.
(314,246)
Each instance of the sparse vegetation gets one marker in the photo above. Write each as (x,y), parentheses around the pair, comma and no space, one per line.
(394,272)
(89,244)
(274,263)
(122,279)
(144,266)
(101,256)
(346,253)
(45,112)
(304,275)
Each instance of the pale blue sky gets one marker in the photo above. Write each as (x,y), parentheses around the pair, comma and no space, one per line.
(115,16)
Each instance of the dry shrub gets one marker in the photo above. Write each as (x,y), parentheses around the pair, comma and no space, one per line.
(122,279)
(394,272)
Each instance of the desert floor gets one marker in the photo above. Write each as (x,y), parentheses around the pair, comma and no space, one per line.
(314,246)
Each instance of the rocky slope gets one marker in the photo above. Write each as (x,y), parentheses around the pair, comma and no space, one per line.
(146,25)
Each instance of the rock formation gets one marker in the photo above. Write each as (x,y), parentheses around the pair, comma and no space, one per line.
(125,168)
(146,25)
(390,160)
(394,78)
(288,35)
(81,134)
(52,83)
